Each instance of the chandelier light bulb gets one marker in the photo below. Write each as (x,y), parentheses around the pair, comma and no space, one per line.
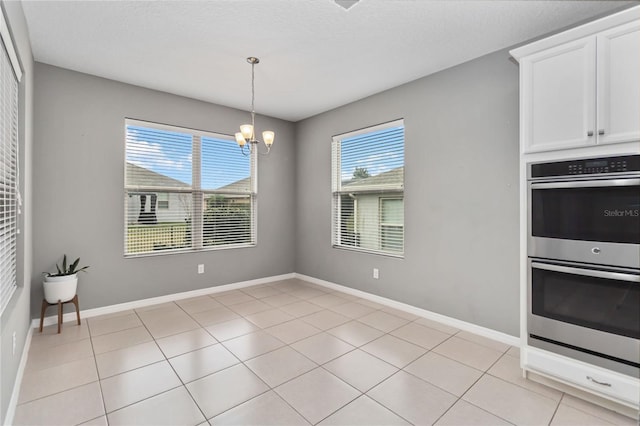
(268,136)
(240,139)
(247,132)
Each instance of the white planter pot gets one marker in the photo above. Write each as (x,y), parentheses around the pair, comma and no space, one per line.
(60,289)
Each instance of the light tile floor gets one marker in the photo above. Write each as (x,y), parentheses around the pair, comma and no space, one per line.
(284,353)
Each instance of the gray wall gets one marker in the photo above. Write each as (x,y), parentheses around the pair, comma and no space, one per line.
(461,194)
(79,197)
(16,317)
(461,201)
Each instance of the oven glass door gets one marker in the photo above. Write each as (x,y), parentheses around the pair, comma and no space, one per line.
(604,210)
(600,300)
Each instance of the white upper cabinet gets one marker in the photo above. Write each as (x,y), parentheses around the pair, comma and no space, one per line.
(582,87)
(618,99)
(559,97)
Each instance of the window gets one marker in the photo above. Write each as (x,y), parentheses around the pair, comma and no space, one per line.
(10,75)
(391,224)
(186,190)
(368,189)
(163,200)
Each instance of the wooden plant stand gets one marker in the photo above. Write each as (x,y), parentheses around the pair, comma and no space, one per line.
(46,304)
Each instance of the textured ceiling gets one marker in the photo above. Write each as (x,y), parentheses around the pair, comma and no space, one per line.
(314,54)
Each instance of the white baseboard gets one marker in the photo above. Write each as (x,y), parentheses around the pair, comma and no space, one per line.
(88,313)
(453,322)
(13,402)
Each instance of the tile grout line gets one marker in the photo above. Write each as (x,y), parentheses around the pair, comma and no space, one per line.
(143,399)
(420,378)
(95,361)
(138,368)
(381,404)
(55,366)
(484,373)
(471,386)
(482,409)
(133,312)
(555,411)
(270,389)
(592,414)
(522,387)
(361,393)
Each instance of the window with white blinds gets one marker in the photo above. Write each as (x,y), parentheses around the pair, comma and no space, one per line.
(368,189)
(186,190)
(10,74)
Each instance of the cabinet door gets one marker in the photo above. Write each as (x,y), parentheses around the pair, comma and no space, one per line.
(558,97)
(619,84)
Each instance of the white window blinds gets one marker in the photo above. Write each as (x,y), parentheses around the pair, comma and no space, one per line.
(368,189)
(10,74)
(186,190)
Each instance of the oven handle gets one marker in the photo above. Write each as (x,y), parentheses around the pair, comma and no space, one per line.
(587,272)
(586,183)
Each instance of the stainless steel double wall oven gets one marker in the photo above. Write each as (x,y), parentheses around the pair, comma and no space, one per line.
(584,260)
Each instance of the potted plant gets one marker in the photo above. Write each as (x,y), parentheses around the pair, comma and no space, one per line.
(60,286)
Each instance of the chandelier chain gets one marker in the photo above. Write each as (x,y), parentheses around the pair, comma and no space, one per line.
(253,98)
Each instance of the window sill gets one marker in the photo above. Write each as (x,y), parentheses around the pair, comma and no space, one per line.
(187,251)
(366,251)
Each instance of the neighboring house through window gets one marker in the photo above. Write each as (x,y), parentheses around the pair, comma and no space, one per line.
(186,190)
(368,189)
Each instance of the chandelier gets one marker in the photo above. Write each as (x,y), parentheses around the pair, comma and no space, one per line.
(246,135)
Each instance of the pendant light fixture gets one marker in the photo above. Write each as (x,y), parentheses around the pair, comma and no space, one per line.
(246,135)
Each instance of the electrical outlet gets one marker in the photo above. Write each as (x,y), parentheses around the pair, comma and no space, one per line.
(201,268)
(376,273)
(14,343)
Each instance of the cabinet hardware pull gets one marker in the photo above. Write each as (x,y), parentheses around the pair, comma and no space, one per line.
(601,132)
(590,133)
(597,382)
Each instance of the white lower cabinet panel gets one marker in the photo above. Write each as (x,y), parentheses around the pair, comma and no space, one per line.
(608,384)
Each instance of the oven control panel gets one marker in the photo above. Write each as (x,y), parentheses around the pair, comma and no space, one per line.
(587,166)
